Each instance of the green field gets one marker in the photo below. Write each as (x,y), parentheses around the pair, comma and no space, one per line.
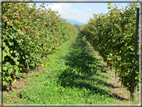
(75,74)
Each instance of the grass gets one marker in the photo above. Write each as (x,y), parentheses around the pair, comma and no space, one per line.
(75,74)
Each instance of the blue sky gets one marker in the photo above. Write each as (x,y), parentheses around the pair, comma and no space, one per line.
(80,12)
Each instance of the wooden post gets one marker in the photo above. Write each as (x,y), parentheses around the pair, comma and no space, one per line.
(136,44)
(136,35)
(116,74)
(140,34)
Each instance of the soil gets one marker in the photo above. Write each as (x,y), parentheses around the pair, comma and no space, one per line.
(120,90)
(21,83)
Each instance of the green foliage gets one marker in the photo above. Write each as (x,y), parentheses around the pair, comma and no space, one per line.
(29,34)
(65,79)
(78,27)
(113,36)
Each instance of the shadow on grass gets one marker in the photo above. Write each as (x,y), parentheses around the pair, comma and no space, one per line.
(81,58)
(81,66)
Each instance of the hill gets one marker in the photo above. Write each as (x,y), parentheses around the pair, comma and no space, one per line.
(74,22)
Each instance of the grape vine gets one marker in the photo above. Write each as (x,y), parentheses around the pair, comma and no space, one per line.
(113,36)
(29,34)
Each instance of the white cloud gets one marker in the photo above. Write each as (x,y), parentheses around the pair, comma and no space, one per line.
(76,0)
(81,16)
(76,10)
(67,13)
(88,10)
(60,6)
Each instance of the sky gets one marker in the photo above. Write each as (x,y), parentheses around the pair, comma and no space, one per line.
(81,12)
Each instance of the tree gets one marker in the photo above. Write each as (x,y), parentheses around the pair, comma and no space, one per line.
(78,26)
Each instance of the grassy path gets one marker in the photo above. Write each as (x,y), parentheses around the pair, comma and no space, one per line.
(75,74)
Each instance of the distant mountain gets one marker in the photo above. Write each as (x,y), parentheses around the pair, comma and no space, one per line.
(74,22)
